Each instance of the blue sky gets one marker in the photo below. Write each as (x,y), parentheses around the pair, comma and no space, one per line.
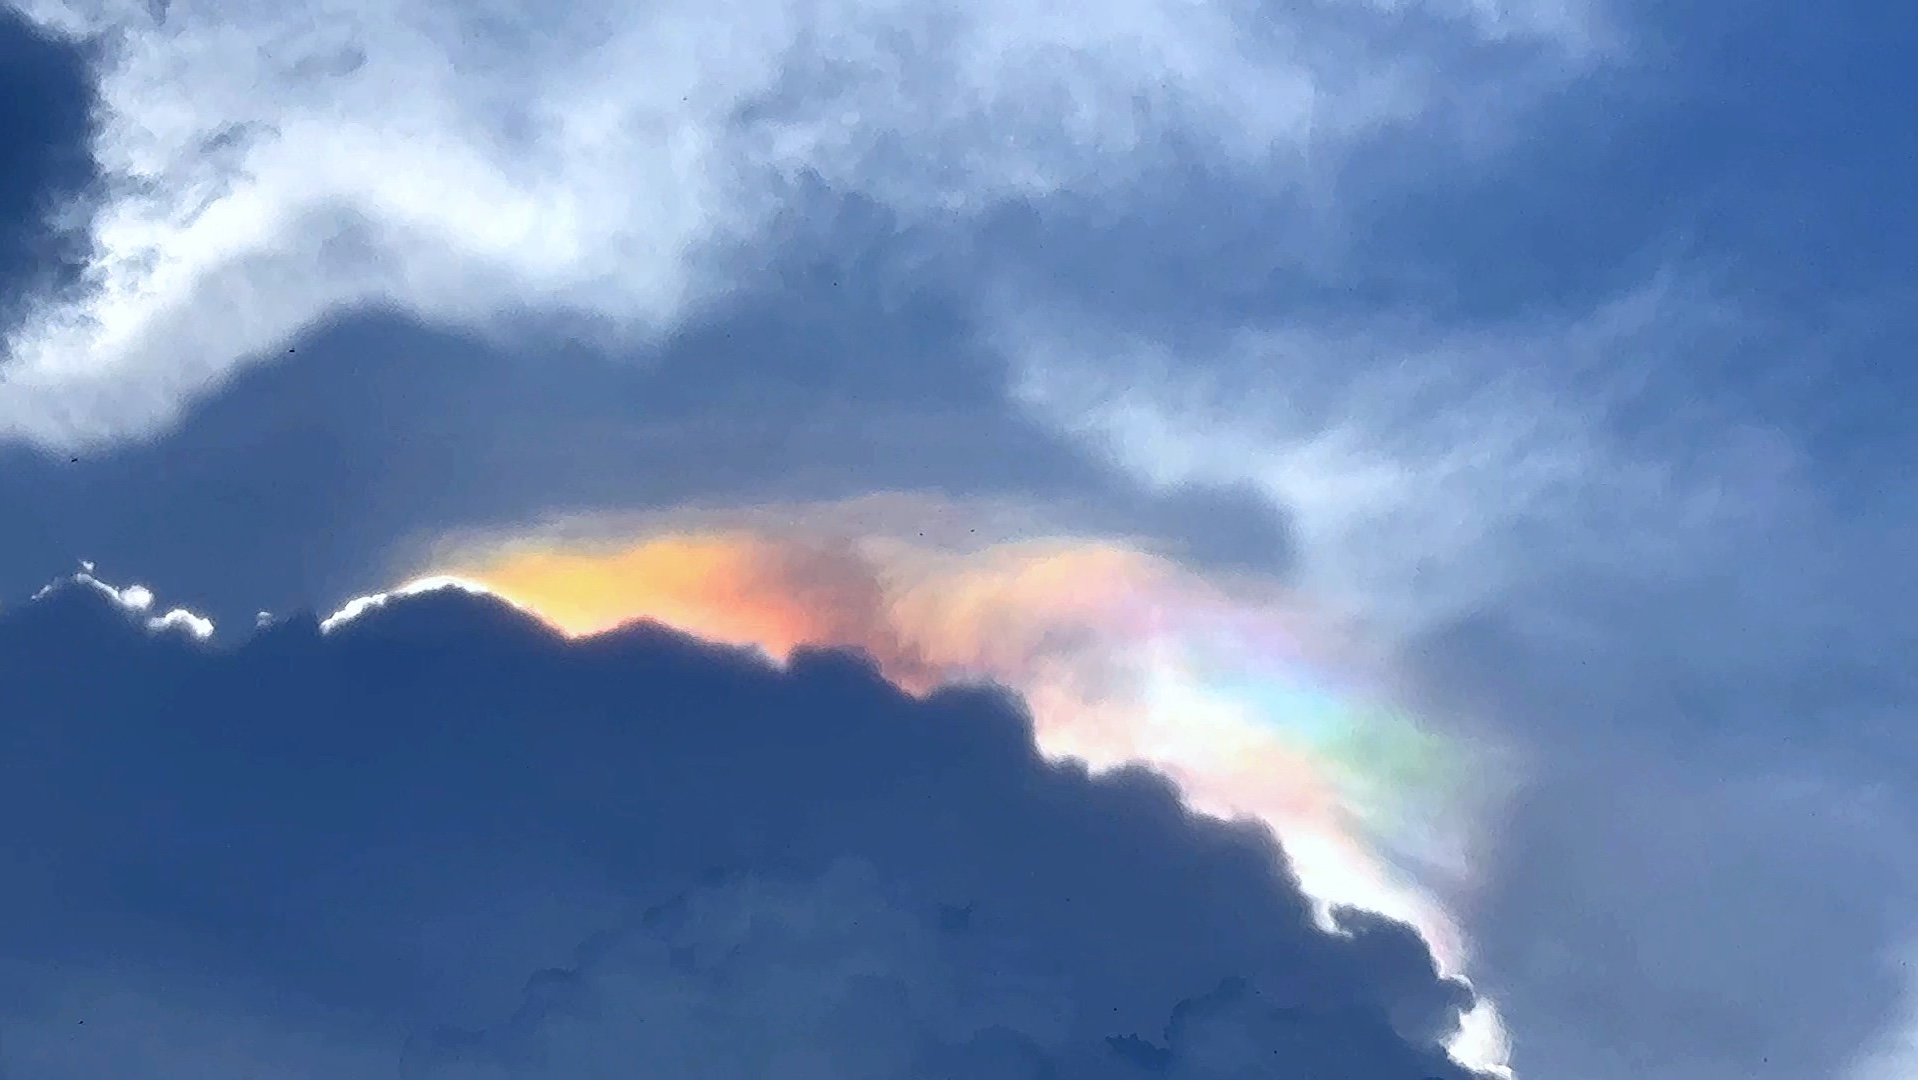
(1557,349)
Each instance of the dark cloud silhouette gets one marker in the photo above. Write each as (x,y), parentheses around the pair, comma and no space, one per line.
(397,821)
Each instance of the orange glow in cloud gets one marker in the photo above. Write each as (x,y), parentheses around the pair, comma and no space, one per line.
(1236,691)
(732,588)
(1097,638)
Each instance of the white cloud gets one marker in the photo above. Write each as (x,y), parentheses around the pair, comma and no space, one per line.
(137,602)
(270,163)
(1429,470)
(361,605)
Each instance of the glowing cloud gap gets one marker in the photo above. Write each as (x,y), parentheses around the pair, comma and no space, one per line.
(1240,692)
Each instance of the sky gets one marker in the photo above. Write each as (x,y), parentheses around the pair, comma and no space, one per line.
(1210,538)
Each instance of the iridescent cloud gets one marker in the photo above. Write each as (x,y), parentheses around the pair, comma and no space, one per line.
(1254,702)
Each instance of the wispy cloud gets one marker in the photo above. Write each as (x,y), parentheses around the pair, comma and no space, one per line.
(1430,468)
(267,165)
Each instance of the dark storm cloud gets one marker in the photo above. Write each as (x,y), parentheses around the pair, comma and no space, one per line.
(354,822)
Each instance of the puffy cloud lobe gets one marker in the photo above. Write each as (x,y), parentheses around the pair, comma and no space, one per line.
(834,978)
(823,977)
(137,602)
(307,809)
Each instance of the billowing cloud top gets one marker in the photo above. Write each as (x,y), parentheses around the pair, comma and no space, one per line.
(346,851)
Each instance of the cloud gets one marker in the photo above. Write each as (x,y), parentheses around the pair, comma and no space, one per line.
(1583,529)
(44,125)
(1526,384)
(1102,633)
(84,1021)
(482,167)
(1740,913)
(835,978)
(1429,470)
(829,976)
(384,826)
(1253,700)
(308,481)
(1703,811)
(136,601)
